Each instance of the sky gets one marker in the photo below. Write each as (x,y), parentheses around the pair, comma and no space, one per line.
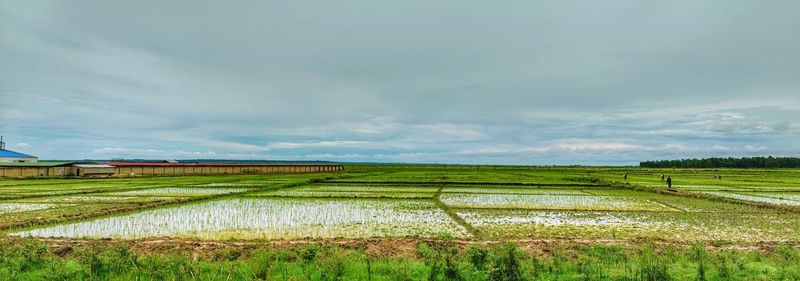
(498,82)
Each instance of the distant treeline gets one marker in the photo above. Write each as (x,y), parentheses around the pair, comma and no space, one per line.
(731,162)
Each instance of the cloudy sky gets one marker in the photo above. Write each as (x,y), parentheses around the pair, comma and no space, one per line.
(511,82)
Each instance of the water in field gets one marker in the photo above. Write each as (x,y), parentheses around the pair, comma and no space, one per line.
(23,207)
(762,197)
(496,190)
(96,199)
(353,191)
(683,226)
(179,191)
(345,194)
(368,188)
(266,218)
(550,202)
(231,184)
(549,218)
(793,196)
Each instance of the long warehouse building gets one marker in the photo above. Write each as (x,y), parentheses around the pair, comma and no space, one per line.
(133,169)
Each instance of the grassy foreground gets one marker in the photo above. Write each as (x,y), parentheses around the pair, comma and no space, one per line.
(26,259)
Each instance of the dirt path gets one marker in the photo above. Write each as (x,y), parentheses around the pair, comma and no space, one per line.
(377,247)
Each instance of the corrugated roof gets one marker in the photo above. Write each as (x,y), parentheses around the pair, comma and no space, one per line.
(14,154)
(93,166)
(34,164)
(151,164)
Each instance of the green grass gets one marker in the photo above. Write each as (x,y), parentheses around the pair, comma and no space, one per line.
(443,260)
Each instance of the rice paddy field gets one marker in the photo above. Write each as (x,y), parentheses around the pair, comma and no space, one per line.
(465,204)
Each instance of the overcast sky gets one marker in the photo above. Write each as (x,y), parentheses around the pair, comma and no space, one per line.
(508,82)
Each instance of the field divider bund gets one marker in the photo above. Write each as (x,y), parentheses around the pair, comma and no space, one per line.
(668,205)
(455,217)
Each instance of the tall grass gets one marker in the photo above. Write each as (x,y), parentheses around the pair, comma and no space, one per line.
(31,260)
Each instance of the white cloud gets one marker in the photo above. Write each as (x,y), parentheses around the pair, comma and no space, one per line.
(134,153)
(720,147)
(678,146)
(336,156)
(21,145)
(588,145)
(447,131)
(319,144)
(750,147)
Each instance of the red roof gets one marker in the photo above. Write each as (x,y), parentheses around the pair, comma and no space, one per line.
(156,164)
(148,164)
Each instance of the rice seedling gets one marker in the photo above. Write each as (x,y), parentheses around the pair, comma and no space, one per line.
(94,199)
(269,219)
(794,196)
(23,207)
(179,191)
(342,194)
(504,190)
(754,198)
(553,202)
(670,226)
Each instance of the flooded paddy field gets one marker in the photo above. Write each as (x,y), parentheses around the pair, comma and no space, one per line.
(178,191)
(677,226)
(380,202)
(515,190)
(344,194)
(775,198)
(353,191)
(794,196)
(97,199)
(6,208)
(270,219)
(551,201)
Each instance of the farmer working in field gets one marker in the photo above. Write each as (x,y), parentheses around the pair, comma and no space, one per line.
(625,176)
(662,177)
(669,182)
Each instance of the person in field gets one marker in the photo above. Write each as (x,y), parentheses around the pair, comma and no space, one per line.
(662,177)
(669,182)
(625,176)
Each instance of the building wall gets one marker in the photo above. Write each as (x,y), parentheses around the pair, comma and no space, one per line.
(222,169)
(24,172)
(15,159)
(93,171)
(17,172)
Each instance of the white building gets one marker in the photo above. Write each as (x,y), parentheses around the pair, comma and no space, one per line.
(7,156)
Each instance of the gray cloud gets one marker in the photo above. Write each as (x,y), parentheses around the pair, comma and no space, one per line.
(542,82)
